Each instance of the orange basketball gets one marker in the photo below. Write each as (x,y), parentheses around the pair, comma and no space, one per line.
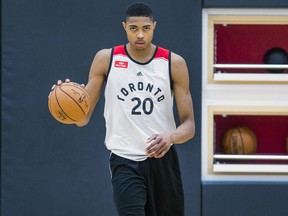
(69,103)
(239,140)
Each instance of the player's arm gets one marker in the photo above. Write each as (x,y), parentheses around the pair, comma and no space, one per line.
(97,74)
(180,77)
(159,144)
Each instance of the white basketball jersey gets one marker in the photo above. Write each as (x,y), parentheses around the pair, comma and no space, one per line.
(138,102)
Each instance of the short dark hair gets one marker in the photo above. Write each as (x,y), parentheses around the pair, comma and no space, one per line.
(138,9)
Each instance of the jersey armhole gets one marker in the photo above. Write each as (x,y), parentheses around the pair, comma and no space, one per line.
(170,73)
(110,63)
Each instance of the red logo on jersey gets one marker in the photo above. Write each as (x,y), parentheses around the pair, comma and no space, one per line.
(121,64)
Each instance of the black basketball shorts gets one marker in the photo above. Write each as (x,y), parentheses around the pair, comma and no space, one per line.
(148,188)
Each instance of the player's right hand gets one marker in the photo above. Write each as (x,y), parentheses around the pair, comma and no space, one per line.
(59,82)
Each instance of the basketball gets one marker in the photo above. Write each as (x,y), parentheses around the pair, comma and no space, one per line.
(239,140)
(68,103)
(275,55)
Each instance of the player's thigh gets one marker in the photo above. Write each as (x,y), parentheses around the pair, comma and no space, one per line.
(129,186)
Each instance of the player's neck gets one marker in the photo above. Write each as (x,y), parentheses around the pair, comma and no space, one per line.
(142,55)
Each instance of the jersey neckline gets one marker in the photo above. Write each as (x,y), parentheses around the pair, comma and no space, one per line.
(137,62)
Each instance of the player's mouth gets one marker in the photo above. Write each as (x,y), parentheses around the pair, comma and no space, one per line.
(140,43)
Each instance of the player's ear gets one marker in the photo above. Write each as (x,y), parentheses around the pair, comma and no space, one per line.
(124,25)
(154,24)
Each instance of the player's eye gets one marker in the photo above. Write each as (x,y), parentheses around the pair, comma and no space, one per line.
(133,28)
(147,28)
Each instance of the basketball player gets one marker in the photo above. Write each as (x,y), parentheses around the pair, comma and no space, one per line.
(141,80)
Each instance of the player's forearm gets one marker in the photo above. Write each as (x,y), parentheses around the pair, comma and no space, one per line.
(84,121)
(184,132)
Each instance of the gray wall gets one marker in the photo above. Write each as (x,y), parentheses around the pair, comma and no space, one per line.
(53,169)
(48,168)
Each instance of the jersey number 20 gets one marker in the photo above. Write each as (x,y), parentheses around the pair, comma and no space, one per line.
(147,106)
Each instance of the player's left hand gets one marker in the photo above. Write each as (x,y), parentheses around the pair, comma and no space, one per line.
(158,145)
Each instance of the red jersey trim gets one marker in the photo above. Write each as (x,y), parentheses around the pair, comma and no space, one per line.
(119,50)
(162,53)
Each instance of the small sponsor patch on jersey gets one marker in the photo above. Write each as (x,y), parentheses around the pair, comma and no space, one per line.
(121,64)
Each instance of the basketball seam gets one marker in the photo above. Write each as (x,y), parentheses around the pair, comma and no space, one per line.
(60,105)
(242,143)
(74,99)
(231,142)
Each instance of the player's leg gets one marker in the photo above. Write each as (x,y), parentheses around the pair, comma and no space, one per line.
(129,187)
(165,187)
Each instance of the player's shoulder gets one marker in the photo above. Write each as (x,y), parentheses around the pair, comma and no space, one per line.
(103,56)
(101,61)
(179,68)
(104,53)
(176,58)
(108,52)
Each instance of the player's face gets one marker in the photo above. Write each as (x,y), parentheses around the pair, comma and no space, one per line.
(139,31)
